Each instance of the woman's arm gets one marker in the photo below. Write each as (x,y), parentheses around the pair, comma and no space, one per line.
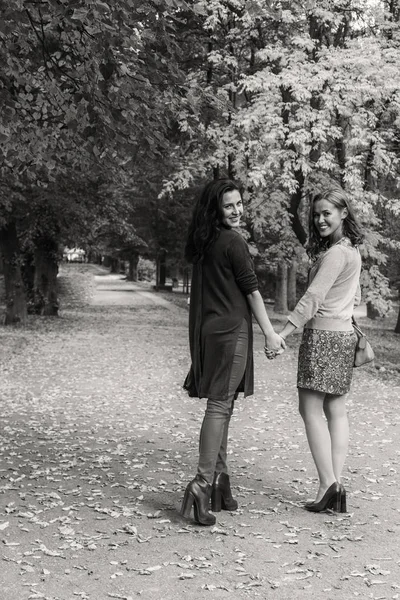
(330,266)
(287,330)
(305,309)
(242,267)
(273,341)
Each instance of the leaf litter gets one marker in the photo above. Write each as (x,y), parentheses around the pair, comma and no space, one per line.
(99,442)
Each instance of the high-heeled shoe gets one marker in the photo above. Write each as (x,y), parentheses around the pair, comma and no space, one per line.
(221,496)
(343,501)
(197,494)
(331,499)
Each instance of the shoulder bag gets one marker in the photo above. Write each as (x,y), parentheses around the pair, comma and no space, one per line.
(363,353)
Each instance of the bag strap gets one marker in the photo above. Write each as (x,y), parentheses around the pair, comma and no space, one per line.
(356,327)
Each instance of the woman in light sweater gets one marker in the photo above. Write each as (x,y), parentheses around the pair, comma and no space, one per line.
(327,348)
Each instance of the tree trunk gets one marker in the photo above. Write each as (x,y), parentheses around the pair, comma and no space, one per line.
(296,197)
(45,284)
(28,277)
(186,281)
(281,304)
(372,313)
(163,267)
(114,265)
(397,328)
(16,309)
(107,261)
(122,266)
(133,267)
(292,285)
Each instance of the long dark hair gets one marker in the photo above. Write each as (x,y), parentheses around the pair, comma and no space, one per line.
(205,225)
(351,228)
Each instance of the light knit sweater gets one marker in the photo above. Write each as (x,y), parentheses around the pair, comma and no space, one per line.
(333,290)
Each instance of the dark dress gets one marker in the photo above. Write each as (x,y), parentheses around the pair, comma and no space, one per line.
(218,306)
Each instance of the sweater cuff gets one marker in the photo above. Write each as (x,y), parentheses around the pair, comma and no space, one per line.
(296,320)
(248,284)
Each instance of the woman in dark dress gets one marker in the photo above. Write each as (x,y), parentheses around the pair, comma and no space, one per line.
(224,293)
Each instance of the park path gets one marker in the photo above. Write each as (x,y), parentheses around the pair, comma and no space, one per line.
(99,440)
(114,290)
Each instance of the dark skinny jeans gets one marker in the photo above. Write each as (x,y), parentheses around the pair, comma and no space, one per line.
(215,427)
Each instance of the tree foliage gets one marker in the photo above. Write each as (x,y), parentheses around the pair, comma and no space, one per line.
(300,95)
(113,112)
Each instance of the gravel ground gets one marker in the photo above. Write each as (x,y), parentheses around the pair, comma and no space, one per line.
(99,441)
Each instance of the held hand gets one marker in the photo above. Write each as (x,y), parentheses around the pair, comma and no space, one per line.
(274,345)
(275,342)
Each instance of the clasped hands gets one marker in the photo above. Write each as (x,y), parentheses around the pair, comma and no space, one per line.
(274,345)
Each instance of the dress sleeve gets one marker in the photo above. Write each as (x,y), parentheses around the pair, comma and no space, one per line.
(242,265)
(331,265)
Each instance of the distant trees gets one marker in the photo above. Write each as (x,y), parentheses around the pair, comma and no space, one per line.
(89,95)
(113,113)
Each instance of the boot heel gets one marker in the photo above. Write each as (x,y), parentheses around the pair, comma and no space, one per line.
(197,494)
(187,504)
(216,501)
(221,498)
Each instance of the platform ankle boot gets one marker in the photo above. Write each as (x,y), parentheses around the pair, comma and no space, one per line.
(197,494)
(221,497)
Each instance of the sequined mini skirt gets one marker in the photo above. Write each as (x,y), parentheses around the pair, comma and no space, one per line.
(326,361)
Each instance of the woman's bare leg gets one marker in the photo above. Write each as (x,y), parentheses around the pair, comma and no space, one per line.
(338,424)
(318,436)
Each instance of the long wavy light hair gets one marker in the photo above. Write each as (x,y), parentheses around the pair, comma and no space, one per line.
(205,225)
(351,228)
